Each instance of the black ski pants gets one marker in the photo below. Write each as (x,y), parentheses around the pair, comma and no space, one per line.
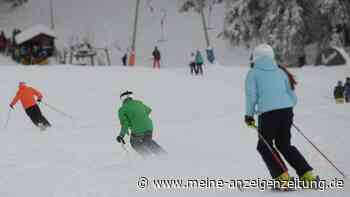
(275,127)
(145,145)
(193,68)
(36,116)
(199,68)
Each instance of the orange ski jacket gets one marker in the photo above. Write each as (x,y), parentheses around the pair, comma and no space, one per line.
(27,96)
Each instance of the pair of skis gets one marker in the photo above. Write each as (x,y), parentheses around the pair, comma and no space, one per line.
(148,152)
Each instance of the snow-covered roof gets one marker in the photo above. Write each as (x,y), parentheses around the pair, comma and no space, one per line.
(34,31)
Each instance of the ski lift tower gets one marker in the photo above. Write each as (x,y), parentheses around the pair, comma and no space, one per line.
(209,50)
(132,58)
(162,23)
(52,15)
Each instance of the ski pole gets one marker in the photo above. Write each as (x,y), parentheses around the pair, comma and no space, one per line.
(323,155)
(123,146)
(126,150)
(274,154)
(57,110)
(8,119)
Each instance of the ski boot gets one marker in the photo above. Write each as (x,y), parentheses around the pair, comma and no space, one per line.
(310,180)
(340,100)
(284,181)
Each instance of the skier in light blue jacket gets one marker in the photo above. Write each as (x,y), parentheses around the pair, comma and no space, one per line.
(267,86)
(270,95)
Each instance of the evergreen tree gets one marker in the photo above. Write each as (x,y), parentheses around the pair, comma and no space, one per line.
(283,28)
(288,25)
(276,22)
(188,5)
(336,12)
(242,21)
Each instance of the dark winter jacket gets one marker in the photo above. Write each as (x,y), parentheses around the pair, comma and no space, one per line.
(124,59)
(156,54)
(2,41)
(347,90)
(339,92)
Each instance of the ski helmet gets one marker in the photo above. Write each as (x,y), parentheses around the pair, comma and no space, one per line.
(263,50)
(125,94)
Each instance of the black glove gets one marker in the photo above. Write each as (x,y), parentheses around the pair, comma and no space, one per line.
(120,139)
(249,120)
(11,106)
(39,100)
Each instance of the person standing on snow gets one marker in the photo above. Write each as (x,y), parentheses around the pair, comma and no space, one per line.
(134,115)
(199,63)
(125,59)
(29,98)
(3,42)
(339,93)
(156,57)
(192,63)
(270,94)
(347,90)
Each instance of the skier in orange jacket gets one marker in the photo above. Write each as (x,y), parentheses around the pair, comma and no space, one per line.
(29,98)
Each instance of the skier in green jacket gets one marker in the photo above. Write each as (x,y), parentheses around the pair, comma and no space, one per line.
(134,115)
(199,63)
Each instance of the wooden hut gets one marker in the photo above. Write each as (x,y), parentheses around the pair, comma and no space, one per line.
(36,44)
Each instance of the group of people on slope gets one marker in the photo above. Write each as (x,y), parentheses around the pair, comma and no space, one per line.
(156,57)
(270,94)
(341,92)
(196,63)
(133,115)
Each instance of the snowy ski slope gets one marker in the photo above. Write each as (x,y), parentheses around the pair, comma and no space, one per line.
(197,119)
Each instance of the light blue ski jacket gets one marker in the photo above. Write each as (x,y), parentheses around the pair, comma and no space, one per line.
(267,88)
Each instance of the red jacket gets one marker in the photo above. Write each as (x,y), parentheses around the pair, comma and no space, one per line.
(27,96)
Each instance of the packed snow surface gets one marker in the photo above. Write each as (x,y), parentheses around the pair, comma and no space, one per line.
(198,120)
